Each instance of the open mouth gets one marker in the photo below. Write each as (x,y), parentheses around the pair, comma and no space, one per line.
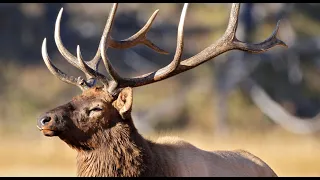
(49,132)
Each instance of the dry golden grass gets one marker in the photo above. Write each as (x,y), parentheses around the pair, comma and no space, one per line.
(287,154)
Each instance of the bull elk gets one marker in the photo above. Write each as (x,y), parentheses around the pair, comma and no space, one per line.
(98,123)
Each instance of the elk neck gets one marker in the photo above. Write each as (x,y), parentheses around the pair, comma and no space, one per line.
(123,152)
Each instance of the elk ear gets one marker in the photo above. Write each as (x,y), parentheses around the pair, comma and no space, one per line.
(124,103)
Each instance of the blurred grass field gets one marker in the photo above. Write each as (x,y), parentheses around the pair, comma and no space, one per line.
(287,154)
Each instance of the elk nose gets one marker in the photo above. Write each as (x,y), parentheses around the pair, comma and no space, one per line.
(43,121)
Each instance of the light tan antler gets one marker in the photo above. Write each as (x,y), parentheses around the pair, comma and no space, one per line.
(118,81)
(226,43)
(138,38)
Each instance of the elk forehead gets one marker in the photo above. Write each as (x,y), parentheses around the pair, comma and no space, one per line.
(94,93)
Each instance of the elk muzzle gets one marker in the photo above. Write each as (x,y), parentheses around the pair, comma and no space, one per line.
(48,124)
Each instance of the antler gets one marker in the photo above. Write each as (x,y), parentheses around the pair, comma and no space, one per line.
(226,43)
(138,38)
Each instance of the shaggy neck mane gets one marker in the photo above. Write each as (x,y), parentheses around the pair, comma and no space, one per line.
(122,151)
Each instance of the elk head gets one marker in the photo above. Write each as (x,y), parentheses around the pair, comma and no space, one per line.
(98,109)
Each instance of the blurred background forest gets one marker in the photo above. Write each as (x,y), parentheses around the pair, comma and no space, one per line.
(264,103)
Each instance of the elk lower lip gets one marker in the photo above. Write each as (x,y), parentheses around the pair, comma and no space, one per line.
(50,133)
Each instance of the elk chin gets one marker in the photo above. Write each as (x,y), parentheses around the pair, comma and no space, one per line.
(50,133)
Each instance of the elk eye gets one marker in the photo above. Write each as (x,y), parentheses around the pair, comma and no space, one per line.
(95,109)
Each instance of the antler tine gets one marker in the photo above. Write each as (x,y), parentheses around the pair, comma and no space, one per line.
(233,21)
(226,43)
(57,37)
(58,73)
(262,46)
(162,73)
(66,54)
(177,57)
(139,38)
(103,46)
